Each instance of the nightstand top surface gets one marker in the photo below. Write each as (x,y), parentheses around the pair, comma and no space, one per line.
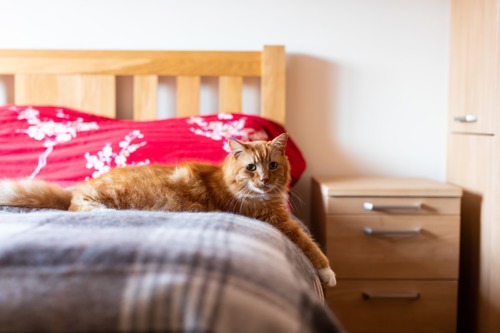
(386,186)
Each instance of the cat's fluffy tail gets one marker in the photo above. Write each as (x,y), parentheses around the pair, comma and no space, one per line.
(33,193)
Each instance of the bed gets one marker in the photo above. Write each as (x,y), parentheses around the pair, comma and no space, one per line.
(137,271)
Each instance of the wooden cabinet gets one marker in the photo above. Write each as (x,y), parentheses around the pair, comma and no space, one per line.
(470,165)
(394,245)
(473,65)
(403,306)
(474,158)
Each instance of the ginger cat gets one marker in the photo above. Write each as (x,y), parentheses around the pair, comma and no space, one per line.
(253,181)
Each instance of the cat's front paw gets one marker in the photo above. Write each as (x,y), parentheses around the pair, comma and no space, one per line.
(327,276)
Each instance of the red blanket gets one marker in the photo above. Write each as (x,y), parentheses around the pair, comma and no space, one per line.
(66,146)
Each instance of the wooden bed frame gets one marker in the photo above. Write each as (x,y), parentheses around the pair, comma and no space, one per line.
(86,80)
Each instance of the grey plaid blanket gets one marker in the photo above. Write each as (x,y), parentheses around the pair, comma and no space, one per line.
(132,271)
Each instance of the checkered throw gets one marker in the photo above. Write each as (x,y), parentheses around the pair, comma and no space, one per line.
(133,271)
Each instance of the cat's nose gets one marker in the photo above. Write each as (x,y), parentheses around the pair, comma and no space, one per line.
(264,180)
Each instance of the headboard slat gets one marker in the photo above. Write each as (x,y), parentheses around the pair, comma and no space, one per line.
(86,79)
(42,89)
(273,100)
(188,96)
(145,97)
(98,94)
(230,91)
(92,93)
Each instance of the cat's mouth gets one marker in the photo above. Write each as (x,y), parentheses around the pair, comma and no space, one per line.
(261,188)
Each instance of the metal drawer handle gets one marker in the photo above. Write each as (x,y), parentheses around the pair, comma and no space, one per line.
(409,296)
(409,232)
(371,206)
(468,118)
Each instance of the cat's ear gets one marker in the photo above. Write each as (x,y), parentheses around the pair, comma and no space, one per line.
(236,146)
(279,143)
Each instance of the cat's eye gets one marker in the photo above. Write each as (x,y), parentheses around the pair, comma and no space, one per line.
(273,165)
(251,167)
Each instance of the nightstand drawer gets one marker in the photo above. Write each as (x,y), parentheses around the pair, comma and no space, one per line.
(393,206)
(395,306)
(393,247)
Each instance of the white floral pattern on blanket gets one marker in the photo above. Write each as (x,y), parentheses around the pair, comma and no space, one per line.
(51,144)
(106,159)
(50,132)
(225,129)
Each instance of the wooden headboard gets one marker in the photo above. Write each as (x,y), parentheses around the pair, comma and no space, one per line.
(86,80)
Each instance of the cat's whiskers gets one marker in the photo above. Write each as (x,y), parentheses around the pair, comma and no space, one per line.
(293,203)
(297,196)
(241,197)
(254,188)
(238,197)
(241,205)
(274,193)
(232,203)
(245,194)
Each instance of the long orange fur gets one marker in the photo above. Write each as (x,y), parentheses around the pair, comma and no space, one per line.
(232,186)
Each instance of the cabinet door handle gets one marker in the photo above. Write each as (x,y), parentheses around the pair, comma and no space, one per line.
(371,206)
(402,232)
(468,118)
(408,296)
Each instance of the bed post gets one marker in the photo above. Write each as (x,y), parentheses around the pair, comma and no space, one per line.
(273,83)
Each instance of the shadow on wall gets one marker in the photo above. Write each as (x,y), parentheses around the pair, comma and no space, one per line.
(312,111)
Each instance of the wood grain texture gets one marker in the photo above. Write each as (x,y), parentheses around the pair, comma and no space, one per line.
(58,77)
(91,93)
(386,186)
(145,97)
(188,96)
(427,262)
(494,324)
(338,205)
(474,64)
(230,94)
(203,63)
(356,255)
(474,157)
(471,166)
(273,103)
(433,311)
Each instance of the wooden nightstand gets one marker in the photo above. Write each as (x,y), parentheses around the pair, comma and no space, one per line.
(394,245)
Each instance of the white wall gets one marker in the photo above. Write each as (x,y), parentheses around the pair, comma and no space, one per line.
(367,79)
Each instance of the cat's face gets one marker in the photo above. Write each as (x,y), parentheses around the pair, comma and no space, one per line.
(258,169)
